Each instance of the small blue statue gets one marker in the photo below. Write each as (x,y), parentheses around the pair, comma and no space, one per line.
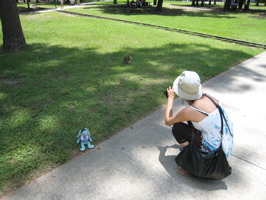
(84,138)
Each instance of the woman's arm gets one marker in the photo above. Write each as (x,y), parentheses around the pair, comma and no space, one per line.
(168,118)
(182,115)
(186,114)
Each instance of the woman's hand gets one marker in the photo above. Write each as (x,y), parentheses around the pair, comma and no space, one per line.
(171,92)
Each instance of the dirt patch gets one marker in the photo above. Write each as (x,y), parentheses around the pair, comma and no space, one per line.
(190,8)
(262,16)
(13,83)
(31,9)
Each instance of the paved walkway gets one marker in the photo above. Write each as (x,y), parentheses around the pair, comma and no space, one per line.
(138,163)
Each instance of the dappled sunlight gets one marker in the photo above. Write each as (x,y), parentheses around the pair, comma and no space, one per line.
(132,186)
(24,152)
(174,17)
(172,10)
(18,118)
(47,123)
(153,63)
(66,94)
(242,74)
(2,95)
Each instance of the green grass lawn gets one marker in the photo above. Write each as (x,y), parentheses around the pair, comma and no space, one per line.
(50,4)
(242,26)
(71,76)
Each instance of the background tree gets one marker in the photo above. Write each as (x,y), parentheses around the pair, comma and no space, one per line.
(115,2)
(28,3)
(246,7)
(241,2)
(11,27)
(227,5)
(159,7)
(210,2)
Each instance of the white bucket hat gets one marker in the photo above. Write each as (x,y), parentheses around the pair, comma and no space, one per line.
(187,86)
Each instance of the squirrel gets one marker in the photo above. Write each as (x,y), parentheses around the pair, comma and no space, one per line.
(128,59)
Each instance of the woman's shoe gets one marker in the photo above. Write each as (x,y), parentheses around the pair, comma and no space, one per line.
(183,172)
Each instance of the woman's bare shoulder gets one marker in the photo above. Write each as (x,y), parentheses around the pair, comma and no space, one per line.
(205,104)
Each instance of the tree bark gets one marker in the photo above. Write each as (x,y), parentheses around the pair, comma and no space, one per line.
(227,5)
(159,7)
(246,7)
(13,37)
(28,4)
(241,2)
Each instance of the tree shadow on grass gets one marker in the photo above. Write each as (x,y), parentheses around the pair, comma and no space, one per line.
(47,99)
(167,11)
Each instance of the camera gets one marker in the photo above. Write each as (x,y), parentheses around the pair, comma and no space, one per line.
(166,93)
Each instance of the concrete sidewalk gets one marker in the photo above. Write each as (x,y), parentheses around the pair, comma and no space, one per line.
(138,163)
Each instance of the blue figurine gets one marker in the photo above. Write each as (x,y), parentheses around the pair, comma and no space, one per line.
(84,138)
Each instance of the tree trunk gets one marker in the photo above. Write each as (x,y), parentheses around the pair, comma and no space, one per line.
(202,3)
(257,2)
(11,27)
(159,7)
(241,2)
(193,3)
(210,2)
(246,7)
(227,5)
(28,3)
(115,2)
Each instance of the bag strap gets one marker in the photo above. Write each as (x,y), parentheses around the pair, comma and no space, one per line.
(192,130)
(221,114)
